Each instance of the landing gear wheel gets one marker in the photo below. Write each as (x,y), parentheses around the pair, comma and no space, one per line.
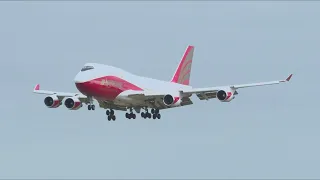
(113,117)
(131,116)
(154,116)
(158,116)
(112,112)
(89,107)
(143,115)
(93,107)
(109,118)
(152,111)
(107,112)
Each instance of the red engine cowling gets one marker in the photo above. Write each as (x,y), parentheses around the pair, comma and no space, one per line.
(225,95)
(73,103)
(52,101)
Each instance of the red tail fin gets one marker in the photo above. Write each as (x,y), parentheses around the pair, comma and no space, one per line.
(183,71)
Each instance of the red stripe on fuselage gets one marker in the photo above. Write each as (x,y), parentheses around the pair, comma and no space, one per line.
(106,88)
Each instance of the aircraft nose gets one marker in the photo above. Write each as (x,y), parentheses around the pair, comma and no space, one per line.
(78,78)
(81,85)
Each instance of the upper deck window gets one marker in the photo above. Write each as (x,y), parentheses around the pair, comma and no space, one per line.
(87,68)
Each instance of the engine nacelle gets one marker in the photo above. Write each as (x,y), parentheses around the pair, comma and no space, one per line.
(171,101)
(168,100)
(52,101)
(73,103)
(225,96)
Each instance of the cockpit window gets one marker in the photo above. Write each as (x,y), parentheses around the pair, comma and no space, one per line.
(86,68)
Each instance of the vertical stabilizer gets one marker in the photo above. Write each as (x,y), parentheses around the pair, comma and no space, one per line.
(183,71)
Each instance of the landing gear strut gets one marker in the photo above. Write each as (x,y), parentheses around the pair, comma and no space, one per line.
(110,114)
(91,106)
(130,115)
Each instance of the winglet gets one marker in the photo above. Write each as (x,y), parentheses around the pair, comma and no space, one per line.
(289,77)
(37,87)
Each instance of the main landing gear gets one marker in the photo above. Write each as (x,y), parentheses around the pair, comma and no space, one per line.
(110,114)
(154,114)
(130,115)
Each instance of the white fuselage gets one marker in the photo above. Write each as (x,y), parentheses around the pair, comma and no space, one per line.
(145,83)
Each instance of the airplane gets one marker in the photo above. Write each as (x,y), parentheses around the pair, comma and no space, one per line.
(118,90)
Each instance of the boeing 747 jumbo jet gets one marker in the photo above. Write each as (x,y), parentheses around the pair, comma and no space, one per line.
(117,89)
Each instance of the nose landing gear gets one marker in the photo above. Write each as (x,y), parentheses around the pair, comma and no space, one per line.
(91,106)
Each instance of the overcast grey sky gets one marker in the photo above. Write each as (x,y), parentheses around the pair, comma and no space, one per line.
(266,132)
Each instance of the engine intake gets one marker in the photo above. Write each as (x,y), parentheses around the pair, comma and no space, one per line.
(225,96)
(52,102)
(168,100)
(73,103)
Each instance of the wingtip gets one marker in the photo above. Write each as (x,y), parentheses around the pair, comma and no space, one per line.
(36,87)
(289,77)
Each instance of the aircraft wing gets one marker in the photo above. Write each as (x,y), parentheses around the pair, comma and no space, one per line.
(156,99)
(208,93)
(60,95)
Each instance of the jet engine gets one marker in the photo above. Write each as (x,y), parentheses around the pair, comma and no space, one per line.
(171,101)
(168,100)
(225,95)
(52,101)
(73,103)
